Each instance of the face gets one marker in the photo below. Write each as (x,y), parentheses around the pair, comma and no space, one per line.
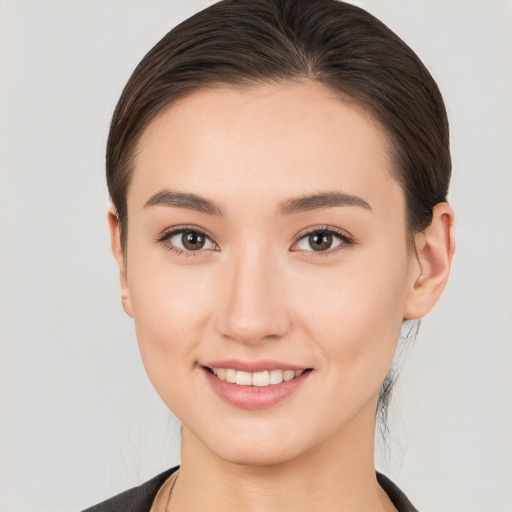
(266,233)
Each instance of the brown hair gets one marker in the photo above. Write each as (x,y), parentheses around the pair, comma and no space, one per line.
(243,43)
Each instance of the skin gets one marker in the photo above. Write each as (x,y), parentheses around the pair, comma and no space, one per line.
(257,292)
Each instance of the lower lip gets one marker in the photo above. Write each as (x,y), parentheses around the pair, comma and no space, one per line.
(254,397)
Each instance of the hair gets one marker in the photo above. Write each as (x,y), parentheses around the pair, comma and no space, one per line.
(246,43)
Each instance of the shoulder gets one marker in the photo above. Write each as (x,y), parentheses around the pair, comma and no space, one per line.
(140,498)
(137,499)
(395,494)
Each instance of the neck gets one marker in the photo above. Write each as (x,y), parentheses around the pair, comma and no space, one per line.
(336,474)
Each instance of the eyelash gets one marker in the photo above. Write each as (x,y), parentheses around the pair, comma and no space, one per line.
(344,238)
(167,235)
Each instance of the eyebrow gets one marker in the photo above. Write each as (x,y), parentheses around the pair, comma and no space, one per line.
(291,206)
(183,200)
(322,200)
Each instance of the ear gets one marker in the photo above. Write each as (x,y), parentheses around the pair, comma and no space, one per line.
(117,251)
(431,266)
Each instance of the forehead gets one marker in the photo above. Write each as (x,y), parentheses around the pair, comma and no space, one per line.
(270,141)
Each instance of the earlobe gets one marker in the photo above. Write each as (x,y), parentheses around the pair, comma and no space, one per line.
(117,251)
(435,247)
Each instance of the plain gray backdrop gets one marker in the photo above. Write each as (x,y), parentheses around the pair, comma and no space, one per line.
(79,419)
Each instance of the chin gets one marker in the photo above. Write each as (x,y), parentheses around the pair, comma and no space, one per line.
(255,457)
(256,450)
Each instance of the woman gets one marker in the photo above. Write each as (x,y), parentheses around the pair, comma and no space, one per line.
(278,171)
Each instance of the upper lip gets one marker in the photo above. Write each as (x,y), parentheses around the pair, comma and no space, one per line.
(253,366)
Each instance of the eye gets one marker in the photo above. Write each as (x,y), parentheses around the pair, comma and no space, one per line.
(186,240)
(321,240)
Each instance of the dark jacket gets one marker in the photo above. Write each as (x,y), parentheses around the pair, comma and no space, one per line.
(140,499)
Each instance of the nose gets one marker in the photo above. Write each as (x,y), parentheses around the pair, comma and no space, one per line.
(252,305)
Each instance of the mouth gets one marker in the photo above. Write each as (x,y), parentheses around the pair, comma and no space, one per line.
(259,379)
(255,390)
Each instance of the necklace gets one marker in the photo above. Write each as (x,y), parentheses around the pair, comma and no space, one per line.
(170,491)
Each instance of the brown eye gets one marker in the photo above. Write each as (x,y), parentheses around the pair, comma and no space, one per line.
(192,241)
(188,240)
(320,241)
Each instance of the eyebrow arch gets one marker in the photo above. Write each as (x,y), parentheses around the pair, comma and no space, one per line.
(322,200)
(295,205)
(183,200)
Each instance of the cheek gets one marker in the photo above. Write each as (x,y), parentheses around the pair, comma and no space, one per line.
(171,306)
(355,313)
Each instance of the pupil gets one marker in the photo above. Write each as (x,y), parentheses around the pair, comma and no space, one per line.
(192,241)
(320,241)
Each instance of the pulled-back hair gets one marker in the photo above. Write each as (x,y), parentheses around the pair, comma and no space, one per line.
(245,43)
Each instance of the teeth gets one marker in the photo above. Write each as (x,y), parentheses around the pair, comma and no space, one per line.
(260,379)
(276,376)
(230,375)
(288,375)
(243,378)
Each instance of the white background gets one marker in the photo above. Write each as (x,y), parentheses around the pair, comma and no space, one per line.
(79,420)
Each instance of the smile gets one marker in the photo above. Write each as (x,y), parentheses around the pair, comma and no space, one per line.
(260,379)
(254,389)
